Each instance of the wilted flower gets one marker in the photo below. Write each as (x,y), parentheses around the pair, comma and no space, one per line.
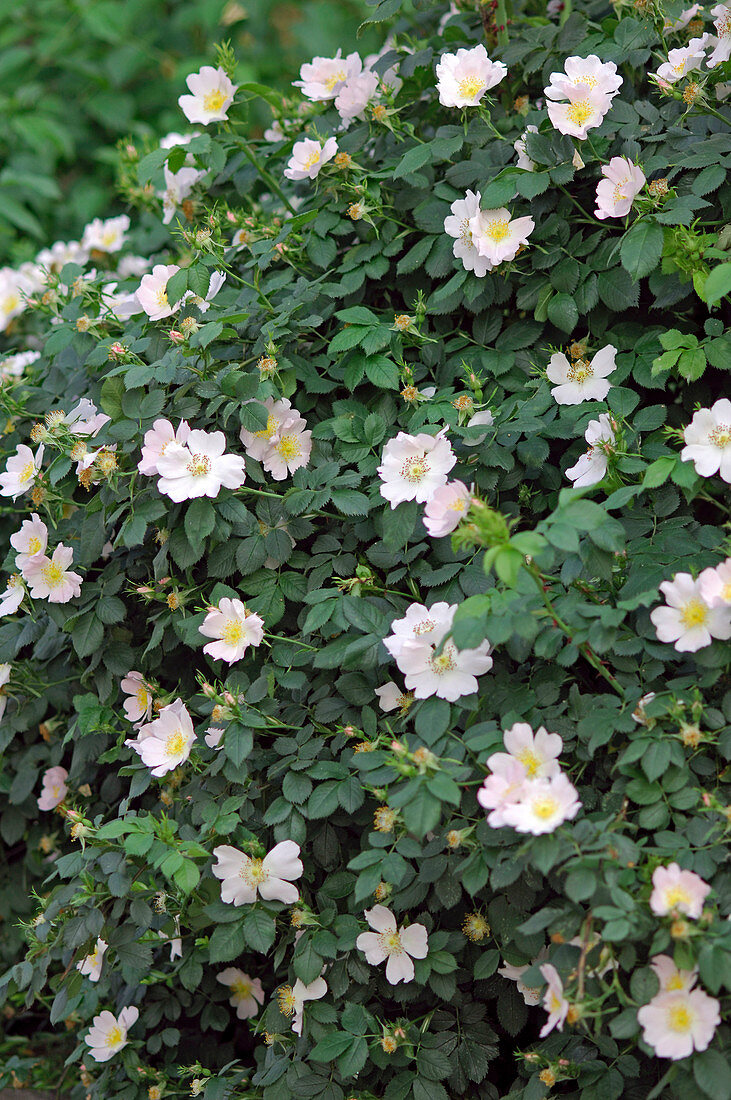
(722,26)
(524,160)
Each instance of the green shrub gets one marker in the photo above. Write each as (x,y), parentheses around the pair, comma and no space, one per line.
(347,316)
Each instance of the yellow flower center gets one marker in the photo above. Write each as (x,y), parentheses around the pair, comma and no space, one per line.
(445,661)
(161,297)
(28,472)
(465,233)
(555,1002)
(391,943)
(286,1000)
(470,86)
(10,303)
(253,872)
(676,982)
(214,101)
(109,237)
(590,81)
(415,469)
(721,436)
(34,545)
(334,79)
(680,1018)
(233,632)
(726,592)
(695,613)
(199,465)
(175,743)
(142,697)
(579,112)
(424,627)
(545,807)
(313,158)
(52,574)
(676,895)
(618,193)
(530,761)
(497,230)
(115,1035)
(458,505)
(241,988)
(271,428)
(580,371)
(289,447)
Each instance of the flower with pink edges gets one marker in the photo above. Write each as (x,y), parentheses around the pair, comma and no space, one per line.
(355,95)
(677,891)
(584,73)
(30,541)
(684,60)
(670,978)
(675,1024)
(54,788)
(323,77)
(554,1001)
(51,579)
(138,704)
(413,467)
(243,877)
(156,442)
(722,27)
(84,419)
(457,225)
(504,787)
(233,627)
(199,467)
(165,743)
(446,508)
(498,236)
(714,585)
(464,77)
(21,471)
(393,945)
(12,597)
(708,440)
(616,192)
(687,620)
(538,752)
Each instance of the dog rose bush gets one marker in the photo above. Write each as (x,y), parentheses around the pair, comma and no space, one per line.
(367,581)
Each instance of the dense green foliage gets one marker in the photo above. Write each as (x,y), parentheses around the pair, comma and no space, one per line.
(560,581)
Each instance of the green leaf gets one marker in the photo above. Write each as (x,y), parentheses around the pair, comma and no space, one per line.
(713,1074)
(718,284)
(641,248)
(238,741)
(259,931)
(415,158)
(332,1045)
(200,519)
(226,943)
(563,312)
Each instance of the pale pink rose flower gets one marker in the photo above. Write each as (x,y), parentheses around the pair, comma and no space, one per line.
(355,95)
(677,891)
(178,186)
(420,624)
(200,468)
(156,441)
(152,292)
(51,579)
(584,72)
(503,788)
(446,508)
(686,620)
(497,236)
(670,978)
(457,225)
(524,161)
(544,805)
(257,444)
(397,946)
(108,1033)
(216,281)
(271,878)
(538,752)
(234,629)
(212,93)
(91,965)
(684,60)
(583,111)
(531,996)
(290,449)
(554,1000)
(308,157)
(302,993)
(484,416)
(84,418)
(616,193)
(12,597)
(413,467)
(682,21)
(213,737)
(13,366)
(323,77)
(54,788)
(442,670)
(592,465)
(138,705)
(464,77)
(21,471)
(30,540)
(105,236)
(722,25)
(675,1024)
(582,380)
(391,696)
(247,995)
(714,585)
(708,440)
(165,743)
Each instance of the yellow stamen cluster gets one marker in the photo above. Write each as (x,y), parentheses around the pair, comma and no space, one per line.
(475,927)
(343,161)
(691,92)
(355,211)
(384,819)
(410,394)
(364,746)
(548,1077)
(83,323)
(389,1044)
(658,188)
(402,322)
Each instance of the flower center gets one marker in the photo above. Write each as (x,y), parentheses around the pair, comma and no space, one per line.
(241,988)
(497,230)
(199,465)
(161,297)
(34,545)
(333,79)
(287,1004)
(391,943)
(676,982)
(680,1018)
(723,26)
(233,632)
(415,469)
(312,158)
(545,807)
(465,233)
(28,472)
(175,743)
(618,192)
(590,81)
(214,101)
(554,1002)
(580,111)
(254,872)
(580,371)
(52,574)
(424,627)
(445,661)
(720,436)
(676,895)
(142,697)
(695,613)
(115,1035)
(289,447)
(109,237)
(10,303)
(470,86)
(726,592)
(268,432)
(530,761)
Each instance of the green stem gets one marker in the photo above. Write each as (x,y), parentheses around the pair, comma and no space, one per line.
(267,176)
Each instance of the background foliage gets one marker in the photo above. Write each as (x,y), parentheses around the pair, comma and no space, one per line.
(329,566)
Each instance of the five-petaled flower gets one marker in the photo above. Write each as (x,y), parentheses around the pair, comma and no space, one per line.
(396,946)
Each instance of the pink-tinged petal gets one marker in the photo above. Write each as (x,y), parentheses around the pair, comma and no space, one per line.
(415,940)
(370,944)
(381,919)
(283,860)
(229,861)
(399,968)
(276,889)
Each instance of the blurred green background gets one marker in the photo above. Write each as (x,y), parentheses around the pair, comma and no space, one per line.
(78,75)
